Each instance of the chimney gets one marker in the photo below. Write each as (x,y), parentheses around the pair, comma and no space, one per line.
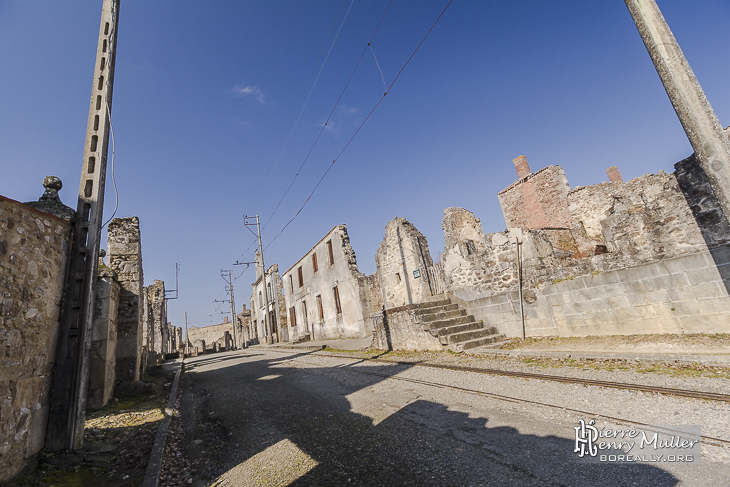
(244,307)
(225,320)
(523,169)
(613,175)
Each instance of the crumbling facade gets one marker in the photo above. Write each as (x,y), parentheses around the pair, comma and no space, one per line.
(124,256)
(404,265)
(628,257)
(212,336)
(325,294)
(275,307)
(246,332)
(102,374)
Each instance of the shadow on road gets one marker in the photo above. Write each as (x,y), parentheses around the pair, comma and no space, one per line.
(263,423)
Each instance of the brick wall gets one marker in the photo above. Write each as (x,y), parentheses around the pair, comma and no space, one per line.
(539,200)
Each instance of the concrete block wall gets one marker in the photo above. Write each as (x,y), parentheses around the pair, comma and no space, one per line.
(34,248)
(685,294)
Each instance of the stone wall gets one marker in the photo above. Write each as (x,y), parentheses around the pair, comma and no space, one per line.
(124,255)
(275,306)
(401,329)
(103,355)
(158,334)
(658,232)
(684,294)
(402,261)
(34,249)
(211,334)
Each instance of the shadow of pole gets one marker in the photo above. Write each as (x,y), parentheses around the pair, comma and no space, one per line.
(707,212)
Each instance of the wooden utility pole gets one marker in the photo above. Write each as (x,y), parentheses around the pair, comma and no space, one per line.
(71,372)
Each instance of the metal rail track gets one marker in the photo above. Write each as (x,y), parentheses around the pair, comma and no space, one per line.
(708,396)
(662,390)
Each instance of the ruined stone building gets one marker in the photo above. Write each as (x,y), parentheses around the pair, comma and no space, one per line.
(34,253)
(246,331)
(275,307)
(326,296)
(642,256)
(213,338)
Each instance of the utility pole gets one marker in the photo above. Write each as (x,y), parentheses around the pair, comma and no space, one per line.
(709,141)
(187,351)
(71,373)
(233,309)
(267,320)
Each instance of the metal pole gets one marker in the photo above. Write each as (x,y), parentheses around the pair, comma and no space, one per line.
(71,373)
(267,322)
(519,277)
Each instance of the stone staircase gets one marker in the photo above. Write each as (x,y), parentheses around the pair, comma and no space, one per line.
(454,328)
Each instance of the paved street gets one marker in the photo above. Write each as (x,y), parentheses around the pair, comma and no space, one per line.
(285,417)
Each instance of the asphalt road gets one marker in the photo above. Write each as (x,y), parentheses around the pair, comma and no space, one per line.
(259,417)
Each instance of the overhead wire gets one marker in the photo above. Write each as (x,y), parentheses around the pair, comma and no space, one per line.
(294,121)
(387,90)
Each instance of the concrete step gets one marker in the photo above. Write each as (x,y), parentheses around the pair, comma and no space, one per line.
(443,323)
(442,315)
(466,336)
(435,309)
(433,301)
(477,342)
(456,329)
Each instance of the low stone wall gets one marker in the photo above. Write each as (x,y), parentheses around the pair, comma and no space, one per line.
(400,329)
(33,253)
(685,294)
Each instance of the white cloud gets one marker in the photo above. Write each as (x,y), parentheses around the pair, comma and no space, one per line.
(250,91)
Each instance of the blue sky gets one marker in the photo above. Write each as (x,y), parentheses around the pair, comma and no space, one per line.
(210,120)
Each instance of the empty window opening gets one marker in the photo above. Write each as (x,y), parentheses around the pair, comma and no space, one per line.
(98,102)
(89,188)
(101,82)
(330,252)
(84,236)
(270,295)
(336,294)
(96,122)
(291,283)
(103,46)
(261,300)
(314,262)
(94,141)
(301,276)
(319,307)
(92,164)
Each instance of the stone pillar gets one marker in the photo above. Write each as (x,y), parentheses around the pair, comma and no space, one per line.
(159,319)
(703,129)
(124,252)
(104,338)
(614,175)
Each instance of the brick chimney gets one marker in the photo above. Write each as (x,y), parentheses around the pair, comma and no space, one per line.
(225,319)
(523,169)
(613,175)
